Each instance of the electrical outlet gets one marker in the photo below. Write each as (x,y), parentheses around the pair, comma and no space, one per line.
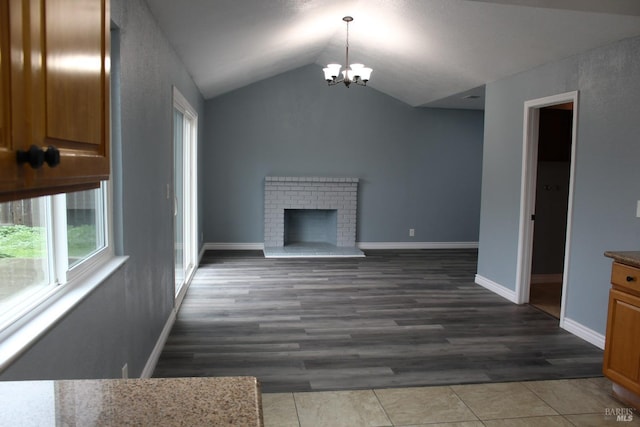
(125,371)
(638,210)
(412,232)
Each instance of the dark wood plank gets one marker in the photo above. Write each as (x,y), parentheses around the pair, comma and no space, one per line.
(392,319)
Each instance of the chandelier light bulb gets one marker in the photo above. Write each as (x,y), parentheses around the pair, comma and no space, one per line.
(331,72)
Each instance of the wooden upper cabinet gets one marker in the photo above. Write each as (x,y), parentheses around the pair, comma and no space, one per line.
(65,85)
(11,176)
(5,82)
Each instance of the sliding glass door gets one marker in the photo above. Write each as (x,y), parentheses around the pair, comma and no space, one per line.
(185,124)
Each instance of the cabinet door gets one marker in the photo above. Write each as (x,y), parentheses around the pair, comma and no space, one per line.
(12,98)
(5,88)
(54,91)
(70,80)
(622,346)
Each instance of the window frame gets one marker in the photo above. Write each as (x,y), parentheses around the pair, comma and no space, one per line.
(190,191)
(101,255)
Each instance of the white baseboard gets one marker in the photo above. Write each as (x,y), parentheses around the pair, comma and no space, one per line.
(233,246)
(417,245)
(583,332)
(537,279)
(201,254)
(150,366)
(359,245)
(496,288)
(568,325)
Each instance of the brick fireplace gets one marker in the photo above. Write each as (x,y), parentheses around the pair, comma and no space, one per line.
(311,193)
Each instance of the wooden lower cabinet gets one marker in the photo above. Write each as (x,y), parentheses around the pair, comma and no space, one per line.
(622,346)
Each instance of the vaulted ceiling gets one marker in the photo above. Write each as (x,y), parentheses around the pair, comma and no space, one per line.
(423,52)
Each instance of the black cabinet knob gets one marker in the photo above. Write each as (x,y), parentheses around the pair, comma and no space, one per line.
(631,279)
(52,156)
(36,156)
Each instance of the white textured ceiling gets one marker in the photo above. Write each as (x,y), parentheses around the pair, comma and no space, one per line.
(423,52)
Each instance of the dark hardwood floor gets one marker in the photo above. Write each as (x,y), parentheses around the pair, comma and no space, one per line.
(392,319)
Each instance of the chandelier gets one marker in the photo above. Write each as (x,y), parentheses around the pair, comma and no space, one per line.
(353,73)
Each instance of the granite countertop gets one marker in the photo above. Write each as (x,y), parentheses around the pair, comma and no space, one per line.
(141,402)
(625,257)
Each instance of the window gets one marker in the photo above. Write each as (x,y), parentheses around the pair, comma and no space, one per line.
(44,244)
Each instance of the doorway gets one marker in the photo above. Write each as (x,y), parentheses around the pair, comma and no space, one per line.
(546,203)
(551,204)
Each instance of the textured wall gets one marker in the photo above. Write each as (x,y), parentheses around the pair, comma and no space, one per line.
(418,168)
(149,69)
(607,181)
(121,321)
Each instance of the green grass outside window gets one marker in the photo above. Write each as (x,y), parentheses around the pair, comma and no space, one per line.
(19,241)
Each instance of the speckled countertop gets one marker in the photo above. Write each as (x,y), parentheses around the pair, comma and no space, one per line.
(625,257)
(228,401)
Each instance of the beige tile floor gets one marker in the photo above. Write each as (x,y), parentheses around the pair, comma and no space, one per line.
(581,402)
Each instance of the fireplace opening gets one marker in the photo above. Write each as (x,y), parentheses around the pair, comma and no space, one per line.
(310,226)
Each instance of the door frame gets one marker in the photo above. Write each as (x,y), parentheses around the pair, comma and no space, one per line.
(190,174)
(528,193)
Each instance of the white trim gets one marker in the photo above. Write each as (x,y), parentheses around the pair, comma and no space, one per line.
(527,193)
(546,278)
(182,102)
(583,332)
(417,245)
(496,288)
(59,242)
(183,289)
(200,255)
(572,181)
(190,187)
(527,201)
(150,366)
(233,246)
(104,213)
(360,245)
(152,361)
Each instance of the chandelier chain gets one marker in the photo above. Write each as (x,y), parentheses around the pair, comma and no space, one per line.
(347,50)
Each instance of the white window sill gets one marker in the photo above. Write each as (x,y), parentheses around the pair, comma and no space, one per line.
(19,337)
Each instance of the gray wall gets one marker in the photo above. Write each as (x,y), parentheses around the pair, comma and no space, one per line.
(418,168)
(121,321)
(607,177)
